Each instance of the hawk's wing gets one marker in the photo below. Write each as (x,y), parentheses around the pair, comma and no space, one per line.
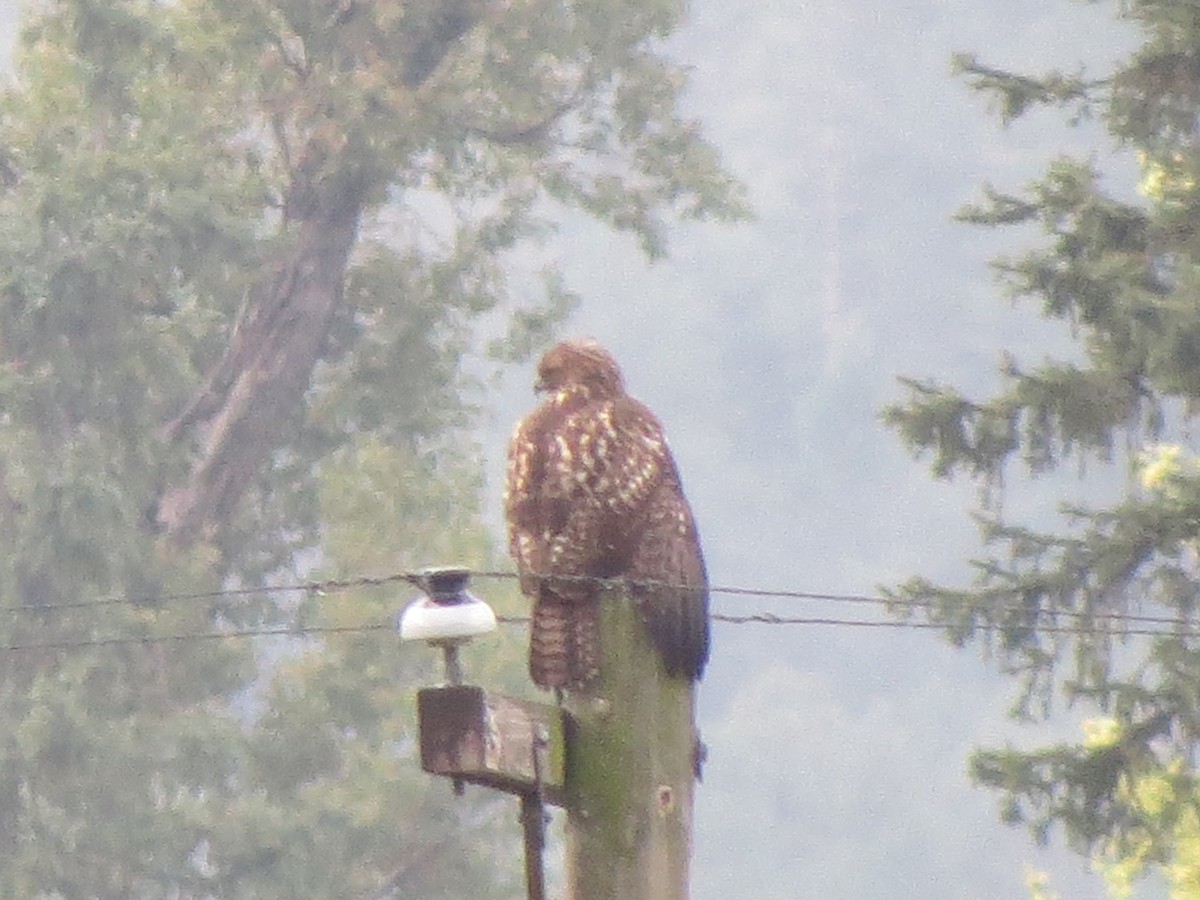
(673,594)
(663,550)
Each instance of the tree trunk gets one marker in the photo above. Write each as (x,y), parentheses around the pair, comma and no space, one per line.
(256,389)
(241,415)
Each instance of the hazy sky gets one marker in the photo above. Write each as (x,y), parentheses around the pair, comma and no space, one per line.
(837,756)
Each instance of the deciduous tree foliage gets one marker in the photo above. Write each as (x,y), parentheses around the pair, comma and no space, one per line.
(1122,269)
(245,248)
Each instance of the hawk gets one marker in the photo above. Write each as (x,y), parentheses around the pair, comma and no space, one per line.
(592,490)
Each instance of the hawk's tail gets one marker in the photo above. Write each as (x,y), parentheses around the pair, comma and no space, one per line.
(677,620)
(564,641)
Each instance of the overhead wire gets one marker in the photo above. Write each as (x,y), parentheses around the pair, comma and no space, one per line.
(416,578)
(751,619)
(154,600)
(1127,624)
(127,640)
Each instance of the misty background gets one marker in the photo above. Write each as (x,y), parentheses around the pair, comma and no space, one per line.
(837,755)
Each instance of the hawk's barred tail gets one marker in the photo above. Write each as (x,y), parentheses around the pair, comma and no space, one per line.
(585,643)
(564,641)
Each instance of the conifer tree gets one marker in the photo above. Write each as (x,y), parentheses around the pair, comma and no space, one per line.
(1122,269)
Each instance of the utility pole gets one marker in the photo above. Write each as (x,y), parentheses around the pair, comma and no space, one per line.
(632,755)
(620,757)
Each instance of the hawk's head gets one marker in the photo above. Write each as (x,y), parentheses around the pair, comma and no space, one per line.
(580,365)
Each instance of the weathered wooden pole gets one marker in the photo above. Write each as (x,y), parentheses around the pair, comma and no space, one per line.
(630,769)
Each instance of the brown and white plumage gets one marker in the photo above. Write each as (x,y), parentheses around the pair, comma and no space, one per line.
(592,490)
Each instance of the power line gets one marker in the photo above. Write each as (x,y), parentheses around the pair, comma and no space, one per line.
(330,586)
(232,634)
(1078,623)
(1187,629)
(769,619)
(415,578)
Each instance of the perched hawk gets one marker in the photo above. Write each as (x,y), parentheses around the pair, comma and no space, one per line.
(592,490)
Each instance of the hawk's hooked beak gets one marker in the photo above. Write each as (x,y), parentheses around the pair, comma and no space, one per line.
(540,386)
